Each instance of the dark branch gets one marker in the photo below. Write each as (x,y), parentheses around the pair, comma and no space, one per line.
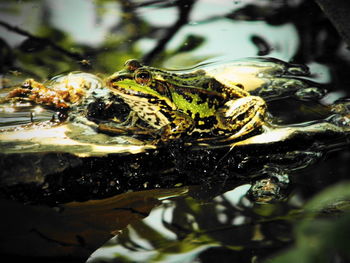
(338,13)
(185,7)
(42,40)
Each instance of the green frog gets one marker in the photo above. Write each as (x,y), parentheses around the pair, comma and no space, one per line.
(177,104)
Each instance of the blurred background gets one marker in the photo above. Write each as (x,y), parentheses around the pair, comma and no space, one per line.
(43,38)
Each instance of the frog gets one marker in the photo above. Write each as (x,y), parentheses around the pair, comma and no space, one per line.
(175,104)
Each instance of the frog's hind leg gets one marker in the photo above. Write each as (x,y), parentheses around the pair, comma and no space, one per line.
(121,130)
(180,123)
(242,116)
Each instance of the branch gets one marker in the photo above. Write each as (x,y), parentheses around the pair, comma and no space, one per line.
(184,7)
(43,40)
(338,12)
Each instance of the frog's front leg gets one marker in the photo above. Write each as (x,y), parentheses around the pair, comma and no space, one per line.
(180,123)
(241,116)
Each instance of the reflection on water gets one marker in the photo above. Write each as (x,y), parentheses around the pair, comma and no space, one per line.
(180,230)
(22,113)
(41,39)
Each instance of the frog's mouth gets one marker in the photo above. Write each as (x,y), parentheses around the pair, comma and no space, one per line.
(125,91)
(128,87)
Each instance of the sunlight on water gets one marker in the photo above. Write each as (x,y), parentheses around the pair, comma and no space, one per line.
(22,113)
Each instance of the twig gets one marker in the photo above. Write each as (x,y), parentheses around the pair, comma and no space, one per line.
(338,12)
(184,7)
(43,40)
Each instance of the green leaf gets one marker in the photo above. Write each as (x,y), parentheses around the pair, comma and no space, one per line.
(334,197)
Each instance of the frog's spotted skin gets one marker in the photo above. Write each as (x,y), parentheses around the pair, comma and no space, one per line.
(178,104)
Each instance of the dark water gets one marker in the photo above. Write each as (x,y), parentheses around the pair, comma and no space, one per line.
(41,39)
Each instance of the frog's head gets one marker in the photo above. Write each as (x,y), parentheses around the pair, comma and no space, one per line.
(139,82)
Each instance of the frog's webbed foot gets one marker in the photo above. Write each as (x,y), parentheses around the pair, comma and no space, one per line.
(131,120)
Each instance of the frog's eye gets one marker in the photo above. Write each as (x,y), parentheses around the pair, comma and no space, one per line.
(143,77)
(132,64)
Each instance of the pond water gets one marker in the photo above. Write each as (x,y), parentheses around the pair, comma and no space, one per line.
(44,38)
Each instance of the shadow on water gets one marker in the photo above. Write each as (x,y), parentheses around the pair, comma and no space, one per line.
(270,199)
